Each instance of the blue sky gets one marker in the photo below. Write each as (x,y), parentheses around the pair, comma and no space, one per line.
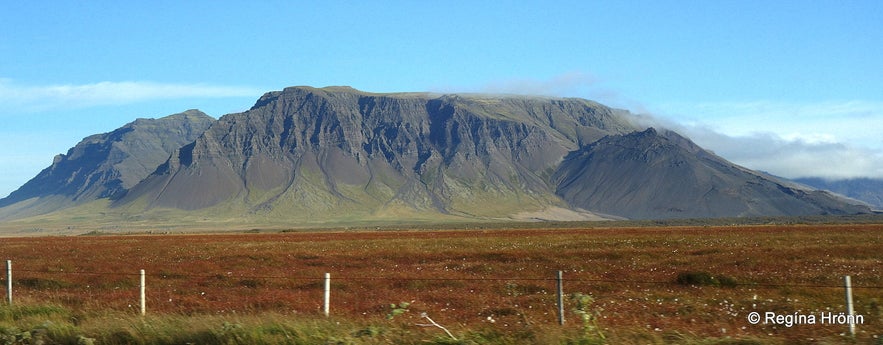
(794,88)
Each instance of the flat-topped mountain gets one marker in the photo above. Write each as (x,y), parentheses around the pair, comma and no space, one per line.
(337,154)
(333,152)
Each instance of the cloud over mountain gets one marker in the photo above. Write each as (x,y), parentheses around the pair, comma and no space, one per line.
(834,140)
(794,158)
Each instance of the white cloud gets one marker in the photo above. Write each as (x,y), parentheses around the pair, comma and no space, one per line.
(833,140)
(857,123)
(792,158)
(15,97)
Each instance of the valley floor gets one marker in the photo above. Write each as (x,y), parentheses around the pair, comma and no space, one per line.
(672,284)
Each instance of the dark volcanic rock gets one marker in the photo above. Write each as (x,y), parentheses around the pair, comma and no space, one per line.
(315,151)
(106,165)
(652,175)
(337,152)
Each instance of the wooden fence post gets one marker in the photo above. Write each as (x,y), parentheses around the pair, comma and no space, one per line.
(9,281)
(850,312)
(327,293)
(143,296)
(560,298)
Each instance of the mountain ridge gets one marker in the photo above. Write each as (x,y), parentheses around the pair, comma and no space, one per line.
(869,190)
(334,154)
(706,185)
(416,150)
(105,165)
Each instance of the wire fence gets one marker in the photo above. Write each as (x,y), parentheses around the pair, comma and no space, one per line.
(515,300)
(400,278)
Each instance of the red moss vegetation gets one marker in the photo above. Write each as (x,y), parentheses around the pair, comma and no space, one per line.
(640,278)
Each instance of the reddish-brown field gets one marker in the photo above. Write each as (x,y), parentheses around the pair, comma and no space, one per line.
(467,279)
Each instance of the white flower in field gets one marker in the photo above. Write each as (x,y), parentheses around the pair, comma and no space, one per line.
(491,319)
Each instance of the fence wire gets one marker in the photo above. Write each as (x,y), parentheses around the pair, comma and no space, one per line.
(173,275)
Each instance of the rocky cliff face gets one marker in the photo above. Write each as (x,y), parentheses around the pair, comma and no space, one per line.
(323,151)
(106,165)
(336,152)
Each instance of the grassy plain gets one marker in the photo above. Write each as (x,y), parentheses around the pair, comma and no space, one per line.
(485,286)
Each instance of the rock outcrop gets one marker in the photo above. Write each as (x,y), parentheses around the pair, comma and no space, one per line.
(332,151)
(106,165)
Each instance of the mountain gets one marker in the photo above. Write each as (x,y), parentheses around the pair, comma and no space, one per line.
(337,153)
(105,165)
(659,174)
(340,155)
(869,190)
